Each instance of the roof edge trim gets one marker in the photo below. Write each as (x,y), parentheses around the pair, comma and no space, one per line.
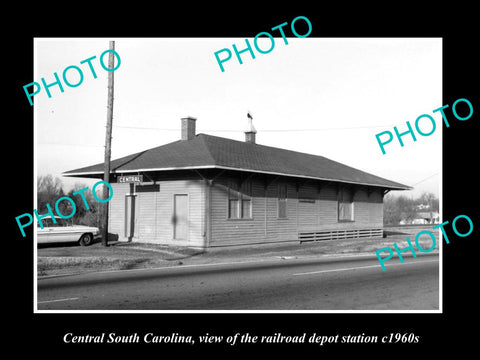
(404,187)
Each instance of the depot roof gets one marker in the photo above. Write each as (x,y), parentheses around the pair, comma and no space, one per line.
(206,151)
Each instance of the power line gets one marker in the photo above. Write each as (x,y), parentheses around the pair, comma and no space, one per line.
(226,130)
(428,177)
(261,130)
(60,144)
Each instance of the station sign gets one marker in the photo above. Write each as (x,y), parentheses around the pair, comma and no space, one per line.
(136,179)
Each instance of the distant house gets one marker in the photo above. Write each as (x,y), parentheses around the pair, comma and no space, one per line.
(423,217)
(431,217)
(206,191)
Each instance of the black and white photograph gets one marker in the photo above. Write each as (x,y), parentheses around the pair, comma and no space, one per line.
(260,187)
(255,182)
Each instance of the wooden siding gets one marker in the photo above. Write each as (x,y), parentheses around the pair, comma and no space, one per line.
(229,231)
(147,215)
(154,220)
(279,229)
(312,208)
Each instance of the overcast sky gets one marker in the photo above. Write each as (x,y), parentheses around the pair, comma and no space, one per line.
(324,96)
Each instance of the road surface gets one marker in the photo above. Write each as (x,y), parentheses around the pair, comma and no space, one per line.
(353,283)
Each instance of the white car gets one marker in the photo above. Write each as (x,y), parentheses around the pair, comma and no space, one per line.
(62,232)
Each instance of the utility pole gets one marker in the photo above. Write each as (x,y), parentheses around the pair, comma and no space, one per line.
(108,144)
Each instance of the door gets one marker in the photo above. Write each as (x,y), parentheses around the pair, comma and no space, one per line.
(131,207)
(180,216)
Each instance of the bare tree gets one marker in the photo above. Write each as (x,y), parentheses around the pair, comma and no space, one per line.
(49,189)
(429,199)
(397,208)
(83,216)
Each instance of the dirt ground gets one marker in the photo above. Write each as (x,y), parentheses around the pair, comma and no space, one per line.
(54,259)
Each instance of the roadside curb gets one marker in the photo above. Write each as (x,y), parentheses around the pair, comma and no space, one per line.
(238,260)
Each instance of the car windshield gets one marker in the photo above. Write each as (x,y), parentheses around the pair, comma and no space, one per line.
(48,222)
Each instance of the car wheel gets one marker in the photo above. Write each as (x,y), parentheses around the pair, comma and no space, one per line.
(86,239)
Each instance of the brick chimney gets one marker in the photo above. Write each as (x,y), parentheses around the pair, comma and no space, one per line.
(250,130)
(188,128)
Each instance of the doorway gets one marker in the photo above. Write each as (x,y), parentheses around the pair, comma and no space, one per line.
(180,216)
(131,211)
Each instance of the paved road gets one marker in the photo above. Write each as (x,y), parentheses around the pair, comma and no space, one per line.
(292,284)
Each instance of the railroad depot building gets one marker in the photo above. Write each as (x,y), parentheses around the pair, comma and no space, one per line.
(205,191)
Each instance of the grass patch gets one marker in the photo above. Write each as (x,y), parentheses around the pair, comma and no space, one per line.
(63,265)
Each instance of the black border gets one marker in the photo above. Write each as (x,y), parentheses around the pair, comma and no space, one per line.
(43,333)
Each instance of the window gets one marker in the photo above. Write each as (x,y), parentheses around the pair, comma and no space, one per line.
(48,222)
(282,201)
(240,201)
(345,205)
(246,207)
(233,212)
